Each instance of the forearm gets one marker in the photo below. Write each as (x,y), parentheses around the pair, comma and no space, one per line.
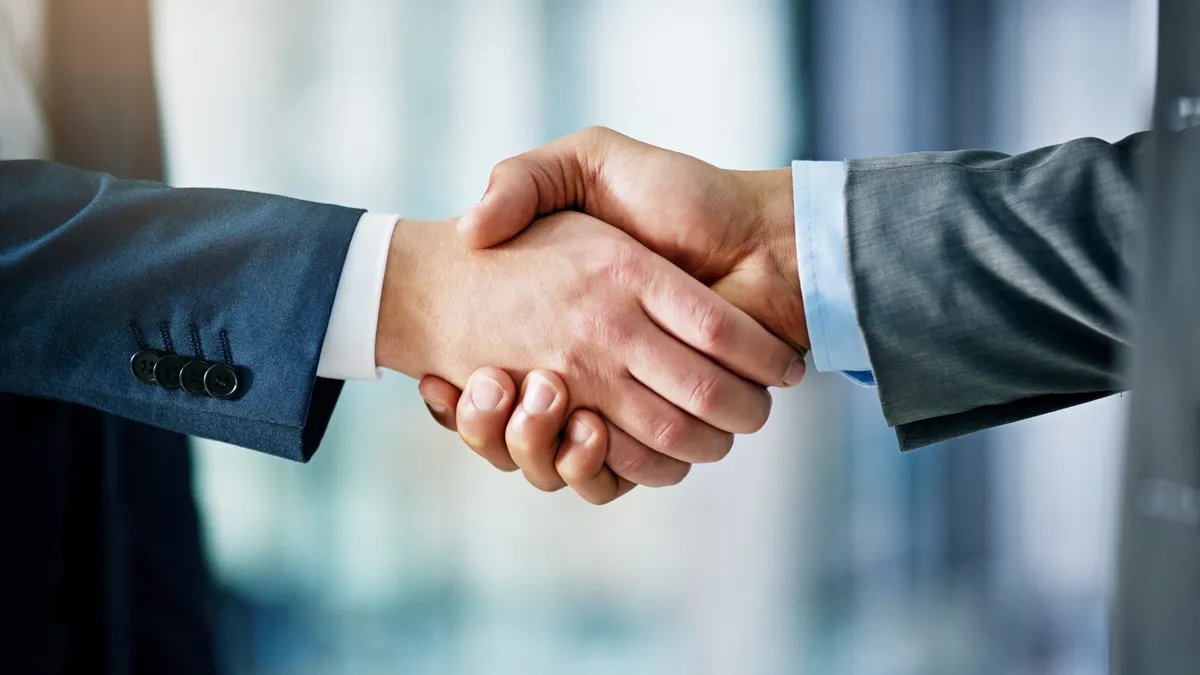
(91,266)
(991,288)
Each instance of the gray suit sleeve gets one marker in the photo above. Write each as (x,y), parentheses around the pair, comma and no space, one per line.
(991,288)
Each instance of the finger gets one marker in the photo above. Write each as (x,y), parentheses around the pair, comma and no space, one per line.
(551,178)
(581,460)
(662,427)
(441,398)
(511,203)
(635,462)
(483,412)
(697,385)
(695,314)
(744,291)
(532,433)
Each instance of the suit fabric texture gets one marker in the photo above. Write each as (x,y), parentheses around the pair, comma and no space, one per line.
(992,288)
(105,570)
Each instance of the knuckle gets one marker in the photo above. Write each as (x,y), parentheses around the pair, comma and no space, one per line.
(519,451)
(509,169)
(474,442)
(595,133)
(571,474)
(669,433)
(713,324)
(577,360)
(581,474)
(522,449)
(705,395)
(620,264)
(628,463)
(608,328)
(587,148)
(504,166)
(548,178)
(520,169)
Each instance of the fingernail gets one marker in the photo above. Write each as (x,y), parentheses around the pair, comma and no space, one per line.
(794,374)
(539,395)
(581,433)
(485,393)
(434,406)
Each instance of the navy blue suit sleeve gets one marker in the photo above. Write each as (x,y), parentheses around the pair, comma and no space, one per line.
(93,268)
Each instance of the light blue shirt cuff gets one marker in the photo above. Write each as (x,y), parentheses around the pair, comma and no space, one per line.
(836,338)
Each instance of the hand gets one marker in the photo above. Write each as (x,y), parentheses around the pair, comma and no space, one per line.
(659,355)
(532,436)
(733,230)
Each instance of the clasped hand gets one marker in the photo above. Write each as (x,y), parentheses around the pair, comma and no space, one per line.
(643,298)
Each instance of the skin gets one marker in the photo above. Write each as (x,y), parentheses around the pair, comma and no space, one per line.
(575,454)
(731,230)
(672,368)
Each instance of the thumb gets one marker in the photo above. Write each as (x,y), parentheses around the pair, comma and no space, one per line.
(534,184)
(441,398)
(509,205)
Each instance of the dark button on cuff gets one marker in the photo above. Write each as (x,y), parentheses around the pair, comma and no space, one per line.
(142,364)
(221,381)
(166,371)
(192,377)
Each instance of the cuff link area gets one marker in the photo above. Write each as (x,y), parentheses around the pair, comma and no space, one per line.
(195,376)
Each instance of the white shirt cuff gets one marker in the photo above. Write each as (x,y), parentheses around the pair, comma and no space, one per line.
(349,349)
(821,256)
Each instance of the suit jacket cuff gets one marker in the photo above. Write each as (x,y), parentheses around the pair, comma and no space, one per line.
(99,270)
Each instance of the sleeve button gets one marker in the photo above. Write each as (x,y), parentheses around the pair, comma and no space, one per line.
(221,381)
(142,364)
(191,378)
(166,371)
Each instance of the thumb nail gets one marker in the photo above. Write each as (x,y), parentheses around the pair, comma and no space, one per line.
(794,374)
(486,393)
(435,407)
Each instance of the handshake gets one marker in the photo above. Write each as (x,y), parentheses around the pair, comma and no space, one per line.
(648,301)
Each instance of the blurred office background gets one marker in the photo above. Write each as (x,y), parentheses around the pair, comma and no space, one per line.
(816,547)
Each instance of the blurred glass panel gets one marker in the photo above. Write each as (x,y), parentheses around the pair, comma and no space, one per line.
(396,549)
(816,546)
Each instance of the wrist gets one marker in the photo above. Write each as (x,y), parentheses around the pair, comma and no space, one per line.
(774,243)
(417,258)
